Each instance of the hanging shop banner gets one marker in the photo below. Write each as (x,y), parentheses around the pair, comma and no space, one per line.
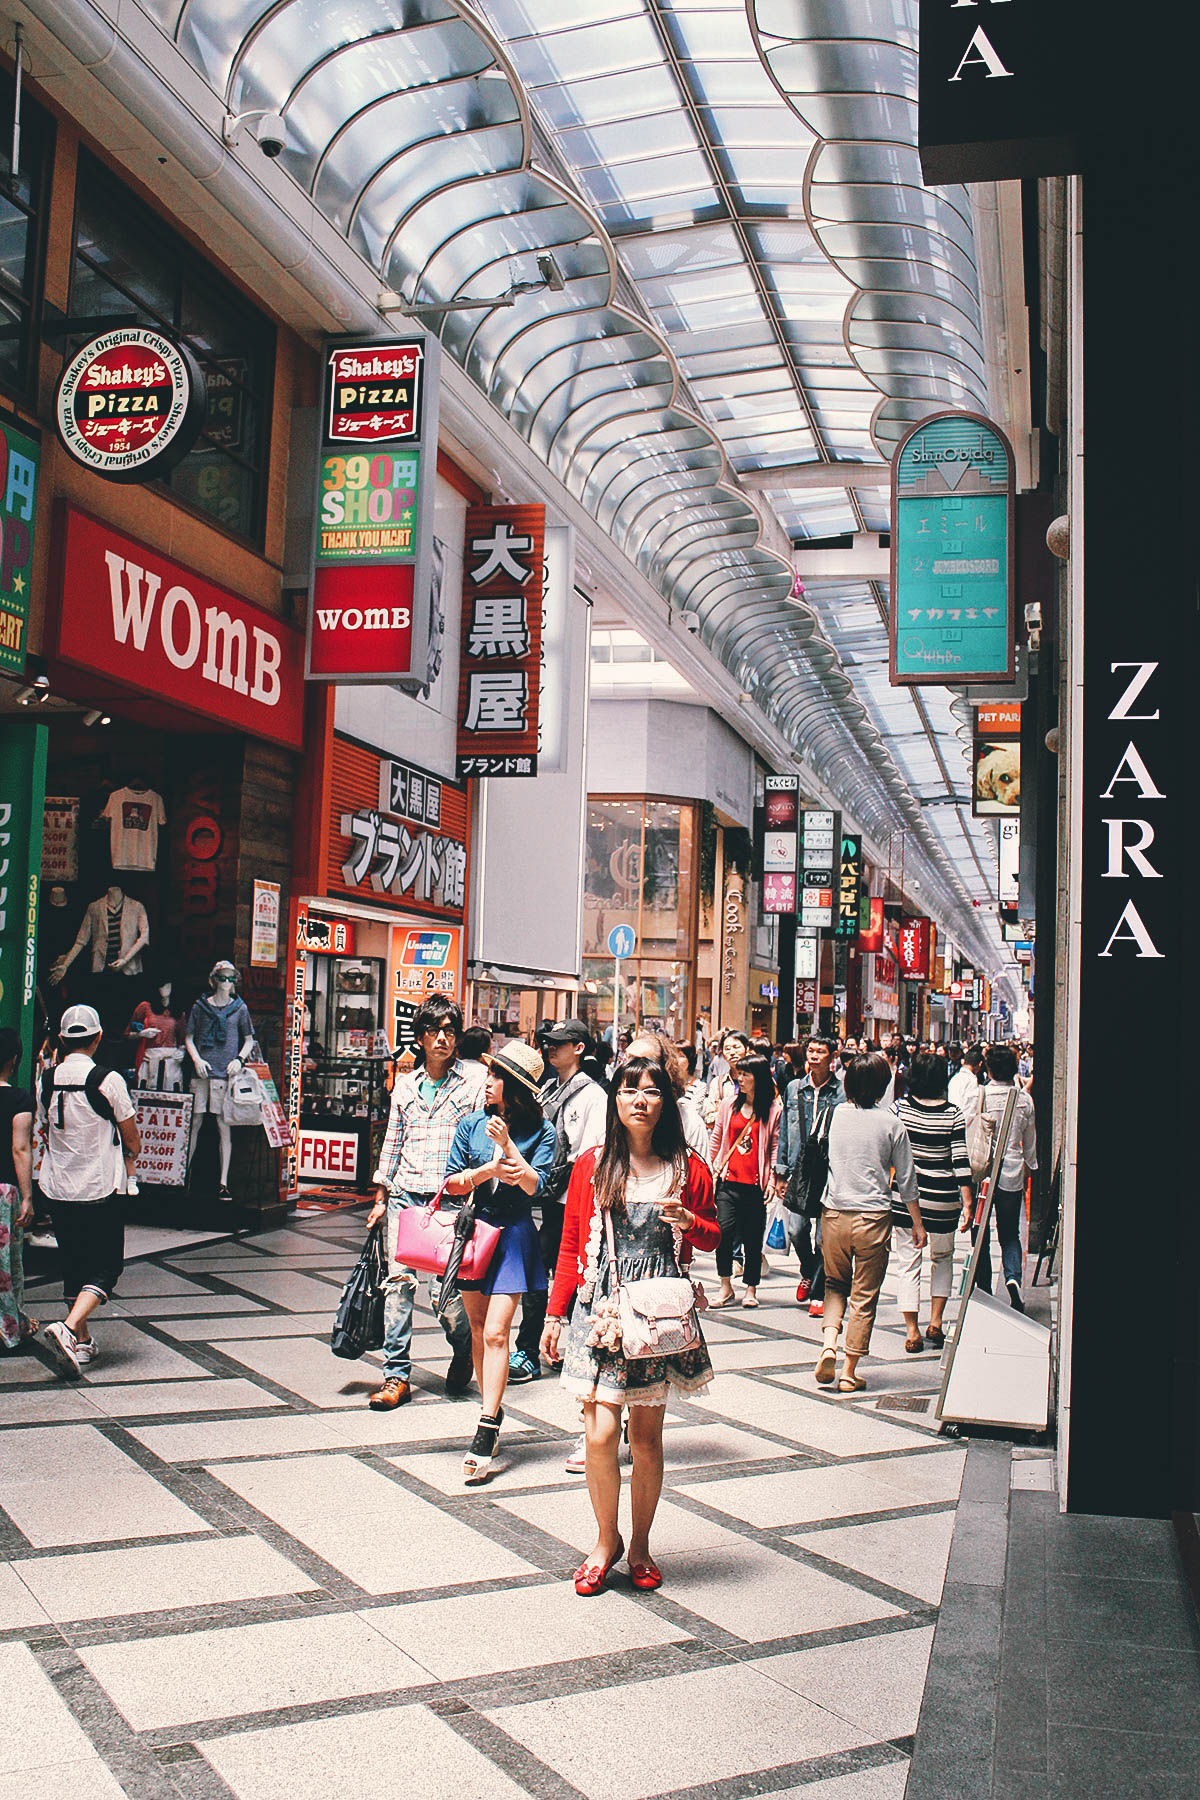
(849,891)
(808,952)
(22,792)
(153,626)
(20,456)
(781,843)
(870,931)
(996,786)
(130,404)
(1010,861)
(164,1122)
(779,893)
(264,925)
(319,935)
(274,1119)
(953,510)
(999,718)
(914,943)
(500,661)
(369,614)
(395,852)
(820,841)
(806,997)
(1000,90)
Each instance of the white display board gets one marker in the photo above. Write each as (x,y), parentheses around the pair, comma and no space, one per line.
(164,1122)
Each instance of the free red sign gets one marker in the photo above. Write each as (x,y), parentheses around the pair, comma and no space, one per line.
(136,617)
(130,404)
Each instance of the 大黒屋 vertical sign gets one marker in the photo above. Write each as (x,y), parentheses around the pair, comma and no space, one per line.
(22,796)
(953,511)
(369,614)
(19,456)
(500,664)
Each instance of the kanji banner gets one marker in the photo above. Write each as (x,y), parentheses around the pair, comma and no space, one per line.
(500,663)
(915,943)
(849,888)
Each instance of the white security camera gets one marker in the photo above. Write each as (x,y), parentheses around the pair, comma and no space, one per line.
(271,134)
(690,621)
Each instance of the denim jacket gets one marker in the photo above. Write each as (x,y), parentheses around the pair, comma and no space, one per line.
(798,1120)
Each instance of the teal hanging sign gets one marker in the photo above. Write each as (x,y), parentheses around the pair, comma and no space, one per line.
(953,613)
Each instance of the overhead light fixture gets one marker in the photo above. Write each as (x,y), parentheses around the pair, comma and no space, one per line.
(550,277)
(36,692)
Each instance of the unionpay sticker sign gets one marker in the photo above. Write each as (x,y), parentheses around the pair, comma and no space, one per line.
(953,507)
(370,611)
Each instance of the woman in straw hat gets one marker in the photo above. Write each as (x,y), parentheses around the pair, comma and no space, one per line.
(501,1154)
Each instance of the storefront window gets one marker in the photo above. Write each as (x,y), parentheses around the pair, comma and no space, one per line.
(20,237)
(130,265)
(641,873)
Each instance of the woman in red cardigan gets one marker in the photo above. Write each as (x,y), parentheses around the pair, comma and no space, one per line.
(745,1144)
(660,1199)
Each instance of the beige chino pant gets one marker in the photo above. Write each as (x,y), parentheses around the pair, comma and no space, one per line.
(856,1247)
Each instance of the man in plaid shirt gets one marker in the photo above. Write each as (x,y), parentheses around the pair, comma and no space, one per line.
(427,1105)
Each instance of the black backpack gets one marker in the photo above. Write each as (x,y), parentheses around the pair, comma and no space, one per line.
(559,1178)
(89,1087)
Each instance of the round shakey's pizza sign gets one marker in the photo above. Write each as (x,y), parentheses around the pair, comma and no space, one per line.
(130,404)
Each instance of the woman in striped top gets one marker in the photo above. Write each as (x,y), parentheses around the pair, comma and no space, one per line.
(938,1135)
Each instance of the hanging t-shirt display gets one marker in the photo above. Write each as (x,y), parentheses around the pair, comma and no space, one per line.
(134,816)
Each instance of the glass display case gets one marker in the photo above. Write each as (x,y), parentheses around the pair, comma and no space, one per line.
(344,1090)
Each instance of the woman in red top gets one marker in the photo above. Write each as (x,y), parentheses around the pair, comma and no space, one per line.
(659,1196)
(744,1143)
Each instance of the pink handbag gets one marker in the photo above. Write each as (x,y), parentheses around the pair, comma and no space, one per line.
(425,1235)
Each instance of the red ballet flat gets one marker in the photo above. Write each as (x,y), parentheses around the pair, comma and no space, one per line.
(592,1579)
(647,1576)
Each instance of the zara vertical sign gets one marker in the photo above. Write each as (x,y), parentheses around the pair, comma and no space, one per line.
(369,613)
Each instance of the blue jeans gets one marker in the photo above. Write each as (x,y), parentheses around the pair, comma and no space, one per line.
(1007,1213)
(399,1294)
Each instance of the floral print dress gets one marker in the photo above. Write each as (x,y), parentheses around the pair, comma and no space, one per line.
(646,1245)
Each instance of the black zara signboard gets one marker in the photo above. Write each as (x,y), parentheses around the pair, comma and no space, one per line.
(999,81)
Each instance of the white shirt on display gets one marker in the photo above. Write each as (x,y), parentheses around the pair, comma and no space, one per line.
(134,816)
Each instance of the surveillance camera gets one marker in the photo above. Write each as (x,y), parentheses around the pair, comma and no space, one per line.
(271,134)
(690,621)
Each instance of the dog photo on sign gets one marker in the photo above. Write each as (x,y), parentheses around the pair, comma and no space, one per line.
(997,787)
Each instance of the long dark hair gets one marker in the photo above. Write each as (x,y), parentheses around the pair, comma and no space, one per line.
(764,1085)
(668,1142)
(522,1108)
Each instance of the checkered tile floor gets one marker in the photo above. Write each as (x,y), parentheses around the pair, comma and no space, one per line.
(226,1577)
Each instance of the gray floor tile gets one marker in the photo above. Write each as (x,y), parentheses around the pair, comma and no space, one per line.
(1130,1764)
(1110,1685)
(1110,1610)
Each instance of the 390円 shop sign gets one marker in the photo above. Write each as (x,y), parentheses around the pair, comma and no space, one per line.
(500,662)
(369,614)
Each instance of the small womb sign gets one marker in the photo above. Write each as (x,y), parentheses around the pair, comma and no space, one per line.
(163,1122)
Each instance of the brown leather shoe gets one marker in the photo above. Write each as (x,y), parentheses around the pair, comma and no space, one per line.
(392,1393)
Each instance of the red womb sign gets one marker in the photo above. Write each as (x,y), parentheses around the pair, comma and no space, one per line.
(132,615)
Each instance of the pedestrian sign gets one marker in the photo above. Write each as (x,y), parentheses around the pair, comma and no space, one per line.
(621,941)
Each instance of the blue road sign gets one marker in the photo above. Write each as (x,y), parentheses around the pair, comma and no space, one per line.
(621,941)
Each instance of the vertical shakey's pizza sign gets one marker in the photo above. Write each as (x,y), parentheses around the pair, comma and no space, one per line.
(371,603)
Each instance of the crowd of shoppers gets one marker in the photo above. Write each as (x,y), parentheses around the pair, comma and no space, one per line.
(595,1187)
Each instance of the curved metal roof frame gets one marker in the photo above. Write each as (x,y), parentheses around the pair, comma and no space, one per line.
(462,199)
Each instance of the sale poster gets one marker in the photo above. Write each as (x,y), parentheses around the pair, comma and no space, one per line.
(164,1122)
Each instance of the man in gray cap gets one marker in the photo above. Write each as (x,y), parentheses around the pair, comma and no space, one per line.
(90,1129)
(577,1107)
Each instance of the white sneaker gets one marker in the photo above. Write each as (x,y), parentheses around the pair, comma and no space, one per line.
(87,1351)
(62,1346)
(577,1461)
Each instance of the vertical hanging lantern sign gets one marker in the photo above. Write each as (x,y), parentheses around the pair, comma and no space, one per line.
(500,663)
(847,905)
(953,617)
(369,614)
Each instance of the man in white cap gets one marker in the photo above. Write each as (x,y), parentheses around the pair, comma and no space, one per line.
(89,1125)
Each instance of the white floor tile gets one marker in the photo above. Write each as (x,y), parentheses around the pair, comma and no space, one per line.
(160,1308)
(138,1399)
(247,1669)
(419,1422)
(64,1781)
(611,1744)
(909,1554)
(569,1517)
(71,1486)
(376,1752)
(107,1584)
(875,1683)
(795,1496)
(384,1538)
(39,1730)
(489,1634)
(759,1594)
(307,1368)
(141,1280)
(769,1353)
(45,1406)
(213,1330)
(298,1293)
(18,1607)
(130,1355)
(839,1430)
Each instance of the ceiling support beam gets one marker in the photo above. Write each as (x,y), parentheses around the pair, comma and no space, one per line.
(794,478)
